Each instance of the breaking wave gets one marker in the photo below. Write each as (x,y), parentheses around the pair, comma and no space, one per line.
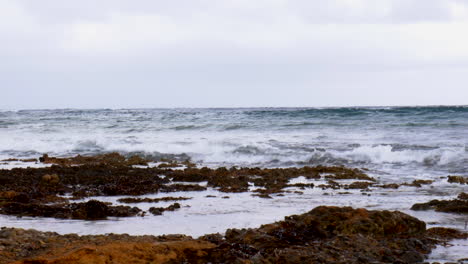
(403,138)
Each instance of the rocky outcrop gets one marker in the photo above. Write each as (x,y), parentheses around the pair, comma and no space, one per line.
(41,191)
(109,159)
(459,205)
(326,234)
(152,200)
(160,210)
(30,246)
(90,210)
(458,179)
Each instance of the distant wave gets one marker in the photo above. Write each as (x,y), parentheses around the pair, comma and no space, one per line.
(427,139)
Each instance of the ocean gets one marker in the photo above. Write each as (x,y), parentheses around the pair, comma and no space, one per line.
(393,145)
(401,141)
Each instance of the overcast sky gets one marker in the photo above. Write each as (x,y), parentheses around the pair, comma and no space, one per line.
(232,53)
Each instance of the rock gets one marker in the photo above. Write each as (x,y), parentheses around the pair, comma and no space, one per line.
(463,196)
(150,200)
(326,235)
(451,206)
(390,186)
(358,185)
(422,182)
(123,211)
(169,165)
(156,210)
(51,178)
(29,160)
(108,159)
(446,233)
(302,186)
(8,195)
(458,179)
(137,160)
(412,257)
(7,233)
(160,210)
(91,210)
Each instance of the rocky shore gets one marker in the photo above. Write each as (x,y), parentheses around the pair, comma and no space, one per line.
(71,189)
(51,191)
(323,235)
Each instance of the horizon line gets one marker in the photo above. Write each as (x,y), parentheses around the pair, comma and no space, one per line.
(233,107)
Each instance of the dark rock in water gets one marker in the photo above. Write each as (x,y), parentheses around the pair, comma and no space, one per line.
(123,211)
(238,180)
(152,200)
(302,186)
(422,182)
(156,210)
(446,233)
(451,206)
(358,185)
(91,210)
(113,174)
(415,183)
(458,179)
(463,196)
(160,210)
(390,186)
(109,159)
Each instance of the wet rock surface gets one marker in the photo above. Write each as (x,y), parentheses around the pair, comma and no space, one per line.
(325,234)
(152,200)
(160,210)
(41,191)
(91,210)
(459,205)
(458,179)
(331,235)
(31,246)
(109,159)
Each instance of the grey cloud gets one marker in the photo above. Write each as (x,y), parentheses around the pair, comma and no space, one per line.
(333,11)
(231,53)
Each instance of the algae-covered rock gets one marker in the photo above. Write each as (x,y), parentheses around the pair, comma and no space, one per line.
(90,210)
(448,206)
(328,235)
(325,234)
(458,179)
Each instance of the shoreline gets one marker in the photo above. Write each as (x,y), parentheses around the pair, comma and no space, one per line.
(238,197)
(325,234)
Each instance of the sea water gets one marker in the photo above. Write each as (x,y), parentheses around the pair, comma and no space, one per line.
(395,144)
